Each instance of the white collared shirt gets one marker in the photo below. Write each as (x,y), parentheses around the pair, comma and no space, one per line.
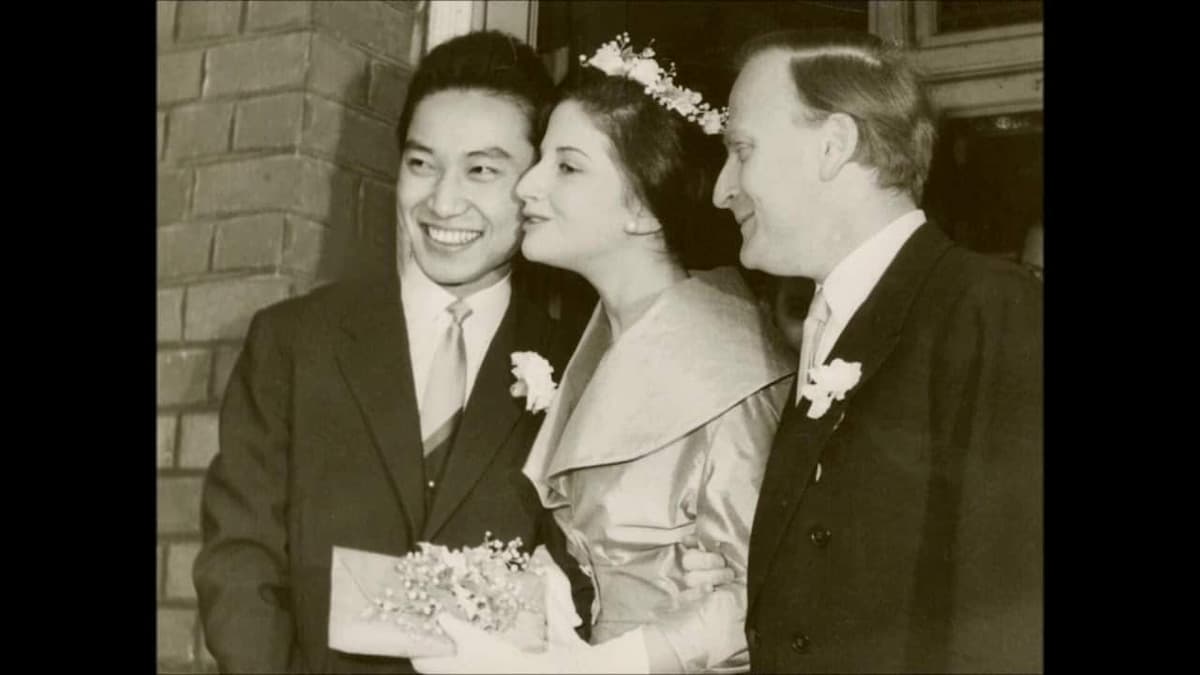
(849,284)
(427,320)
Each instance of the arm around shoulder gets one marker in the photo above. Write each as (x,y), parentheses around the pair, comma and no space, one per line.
(708,632)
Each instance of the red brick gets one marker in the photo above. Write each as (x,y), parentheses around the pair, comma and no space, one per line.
(198,130)
(302,184)
(176,637)
(183,250)
(173,190)
(210,19)
(166,440)
(378,217)
(183,376)
(329,194)
(180,557)
(221,310)
(347,134)
(226,359)
(179,505)
(179,76)
(338,70)
(170,315)
(162,135)
(389,86)
(166,22)
(269,122)
(304,246)
(198,440)
(249,185)
(249,242)
(383,29)
(266,63)
(268,14)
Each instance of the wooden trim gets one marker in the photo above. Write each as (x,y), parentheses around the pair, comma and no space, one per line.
(451,18)
(891,20)
(924,15)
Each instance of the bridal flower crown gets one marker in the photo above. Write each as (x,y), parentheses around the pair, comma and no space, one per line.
(616,58)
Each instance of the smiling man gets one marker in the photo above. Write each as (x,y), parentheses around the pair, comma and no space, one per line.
(899,527)
(375,414)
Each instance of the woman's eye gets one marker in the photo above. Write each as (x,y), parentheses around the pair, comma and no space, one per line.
(563,167)
(742,152)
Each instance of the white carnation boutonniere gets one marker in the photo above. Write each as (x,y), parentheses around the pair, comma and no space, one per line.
(534,380)
(828,383)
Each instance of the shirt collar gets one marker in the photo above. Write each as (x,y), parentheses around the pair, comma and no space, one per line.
(849,284)
(425,299)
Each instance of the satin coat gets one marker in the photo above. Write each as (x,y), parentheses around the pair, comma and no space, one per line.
(662,434)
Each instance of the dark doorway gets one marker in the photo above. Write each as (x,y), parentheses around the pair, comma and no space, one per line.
(985,186)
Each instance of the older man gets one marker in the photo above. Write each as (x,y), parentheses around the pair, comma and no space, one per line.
(899,528)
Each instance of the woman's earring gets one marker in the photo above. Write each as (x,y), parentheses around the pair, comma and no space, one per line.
(631,227)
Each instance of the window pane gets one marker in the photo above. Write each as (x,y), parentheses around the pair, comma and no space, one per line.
(962,15)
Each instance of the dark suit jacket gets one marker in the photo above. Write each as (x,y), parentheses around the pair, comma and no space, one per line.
(321,446)
(920,547)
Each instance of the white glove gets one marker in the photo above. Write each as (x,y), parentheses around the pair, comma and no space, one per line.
(478,651)
(561,617)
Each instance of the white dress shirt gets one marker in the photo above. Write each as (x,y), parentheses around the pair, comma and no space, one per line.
(849,284)
(427,320)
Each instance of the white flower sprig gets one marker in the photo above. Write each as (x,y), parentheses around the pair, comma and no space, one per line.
(616,58)
(535,380)
(828,383)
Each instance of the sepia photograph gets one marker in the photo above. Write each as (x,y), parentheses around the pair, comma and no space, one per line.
(600,336)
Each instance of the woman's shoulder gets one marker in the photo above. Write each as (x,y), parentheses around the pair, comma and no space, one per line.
(722,311)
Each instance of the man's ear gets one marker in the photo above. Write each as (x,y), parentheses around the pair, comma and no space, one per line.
(839,141)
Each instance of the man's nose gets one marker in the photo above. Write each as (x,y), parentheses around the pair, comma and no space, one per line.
(447,198)
(726,187)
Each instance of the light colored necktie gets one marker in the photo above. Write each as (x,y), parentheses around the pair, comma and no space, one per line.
(814,326)
(446,386)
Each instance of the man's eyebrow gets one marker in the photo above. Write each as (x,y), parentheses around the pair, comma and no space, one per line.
(493,152)
(410,144)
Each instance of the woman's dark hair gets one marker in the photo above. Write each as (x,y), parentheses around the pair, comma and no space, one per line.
(668,162)
(488,61)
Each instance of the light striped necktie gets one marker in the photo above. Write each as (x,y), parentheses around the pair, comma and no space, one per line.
(446,386)
(814,326)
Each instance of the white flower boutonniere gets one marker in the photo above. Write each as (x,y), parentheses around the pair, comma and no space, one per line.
(828,383)
(534,380)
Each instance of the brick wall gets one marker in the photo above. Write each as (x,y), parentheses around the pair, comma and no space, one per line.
(276,167)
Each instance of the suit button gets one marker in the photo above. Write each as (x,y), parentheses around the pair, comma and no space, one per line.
(800,643)
(820,536)
(752,638)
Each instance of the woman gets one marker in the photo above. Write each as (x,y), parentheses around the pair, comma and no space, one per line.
(665,414)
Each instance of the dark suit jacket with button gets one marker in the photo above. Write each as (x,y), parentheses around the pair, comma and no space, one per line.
(920,547)
(321,446)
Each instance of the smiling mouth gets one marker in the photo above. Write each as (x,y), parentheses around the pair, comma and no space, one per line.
(529,221)
(448,237)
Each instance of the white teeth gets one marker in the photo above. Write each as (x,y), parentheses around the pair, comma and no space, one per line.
(452,237)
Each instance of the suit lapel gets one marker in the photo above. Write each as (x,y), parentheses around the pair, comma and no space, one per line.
(869,339)
(374,359)
(491,412)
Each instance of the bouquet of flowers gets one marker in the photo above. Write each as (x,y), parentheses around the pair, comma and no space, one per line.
(386,606)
